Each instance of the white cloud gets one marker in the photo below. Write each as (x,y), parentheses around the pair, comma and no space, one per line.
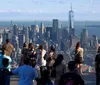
(3,11)
(22,11)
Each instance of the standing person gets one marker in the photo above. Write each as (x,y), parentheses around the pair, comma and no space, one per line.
(9,59)
(8,47)
(52,52)
(45,79)
(71,77)
(59,67)
(79,57)
(41,58)
(26,73)
(51,57)
(25,48)
(32,52)
(24,53)
(4,78)
(97,67)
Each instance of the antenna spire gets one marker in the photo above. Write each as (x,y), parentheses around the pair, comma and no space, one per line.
(71,6)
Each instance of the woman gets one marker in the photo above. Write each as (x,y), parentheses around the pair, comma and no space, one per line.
(25,48)
(79,57)
(24,52)
(32,52)
(51,59)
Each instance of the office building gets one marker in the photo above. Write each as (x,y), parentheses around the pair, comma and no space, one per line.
(55,28)
(84,38)
(71,22)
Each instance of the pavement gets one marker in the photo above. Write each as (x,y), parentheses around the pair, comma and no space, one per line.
(89,79)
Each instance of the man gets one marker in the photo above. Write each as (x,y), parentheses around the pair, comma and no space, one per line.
(97,67)
(26,73)
(8,47)
(71,77)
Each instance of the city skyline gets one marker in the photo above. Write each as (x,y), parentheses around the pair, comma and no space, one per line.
(49,9)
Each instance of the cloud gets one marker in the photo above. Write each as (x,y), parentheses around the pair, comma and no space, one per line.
(3,11)
(22,11)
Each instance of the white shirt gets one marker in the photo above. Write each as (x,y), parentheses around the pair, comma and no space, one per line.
(41,60)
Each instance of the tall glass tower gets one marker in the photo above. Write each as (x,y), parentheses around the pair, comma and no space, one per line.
(71,21)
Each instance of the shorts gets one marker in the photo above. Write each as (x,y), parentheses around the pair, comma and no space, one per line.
(79,60)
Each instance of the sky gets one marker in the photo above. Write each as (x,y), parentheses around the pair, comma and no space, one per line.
(49,9)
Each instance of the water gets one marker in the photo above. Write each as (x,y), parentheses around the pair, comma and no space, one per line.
(79,25)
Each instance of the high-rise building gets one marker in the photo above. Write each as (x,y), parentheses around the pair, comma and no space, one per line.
(5,36)
(84,38)
(48,32)
(21,39)
(33,31)
(71,22)
(55,28)
(42,30)
(26,34)
(94,42)
(15,30)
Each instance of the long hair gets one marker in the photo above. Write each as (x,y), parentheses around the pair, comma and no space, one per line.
(58,60)
(99,49)
(77,46)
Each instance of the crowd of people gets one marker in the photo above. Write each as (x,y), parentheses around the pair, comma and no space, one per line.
(46,68)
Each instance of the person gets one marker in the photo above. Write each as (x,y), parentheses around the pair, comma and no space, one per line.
(8,47)
(41,59)
(60,68)
(9,58)
(52,52)
(45,79)
(24,52)
(26,73)
(79,57)
(1,57)
(25,48)
(71,77)
(97,67)
(32,52)
(4,78)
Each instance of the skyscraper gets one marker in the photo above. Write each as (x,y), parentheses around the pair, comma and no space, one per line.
(55,30)
(71,21)
(15,30)
(33,31)
(5,36)
(42,30)
(84,38)
(26,34)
